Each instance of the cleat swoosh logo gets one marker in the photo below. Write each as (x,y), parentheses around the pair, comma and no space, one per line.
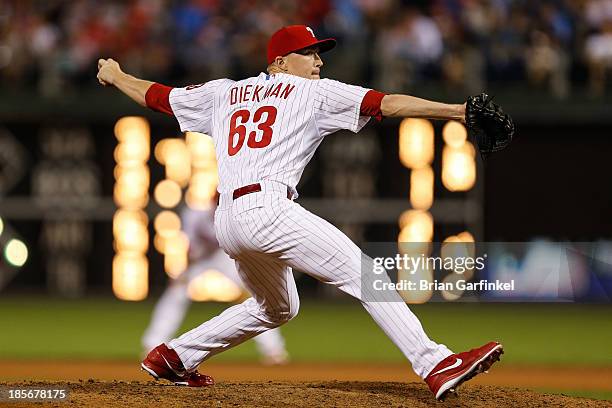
(179,373)
(456,364)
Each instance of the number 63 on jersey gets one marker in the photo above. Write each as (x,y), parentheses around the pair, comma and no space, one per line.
(242,121)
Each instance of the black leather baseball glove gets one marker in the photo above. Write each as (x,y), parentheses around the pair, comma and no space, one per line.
(488,126)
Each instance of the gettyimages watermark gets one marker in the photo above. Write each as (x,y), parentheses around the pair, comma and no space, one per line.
(487,271)
(411,265)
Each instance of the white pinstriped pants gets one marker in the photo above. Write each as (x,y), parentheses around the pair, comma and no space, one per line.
(268,235)
(172,306)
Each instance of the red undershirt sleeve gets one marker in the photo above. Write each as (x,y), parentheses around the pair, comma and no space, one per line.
(370,105)
(158,98)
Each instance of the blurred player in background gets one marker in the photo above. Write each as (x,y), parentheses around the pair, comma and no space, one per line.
(204,255)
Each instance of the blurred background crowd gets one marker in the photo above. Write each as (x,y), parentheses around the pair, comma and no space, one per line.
(553,45)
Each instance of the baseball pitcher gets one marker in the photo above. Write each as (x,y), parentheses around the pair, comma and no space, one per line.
(265,130)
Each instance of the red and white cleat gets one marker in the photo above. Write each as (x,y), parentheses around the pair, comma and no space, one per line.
(456,369)
(163,362)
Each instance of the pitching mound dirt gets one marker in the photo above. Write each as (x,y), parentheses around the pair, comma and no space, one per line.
(93,393)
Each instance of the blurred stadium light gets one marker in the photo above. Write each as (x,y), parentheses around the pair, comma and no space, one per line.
(454,134)
(212,285)
(422,188)
(202,188)
(202,150)
(175,157)
(16,252)
(416,143)
(204,177)
(458,158)
(459,167)
(176,247)
(168,193)
(416,226)
(130,223)
(167,224)
(169,240)
(130,231)
(130,276)
(416,150)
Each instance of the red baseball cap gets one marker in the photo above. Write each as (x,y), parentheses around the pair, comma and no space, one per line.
(293,38)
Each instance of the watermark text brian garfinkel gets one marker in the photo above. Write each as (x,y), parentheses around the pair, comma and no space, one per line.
(451,286)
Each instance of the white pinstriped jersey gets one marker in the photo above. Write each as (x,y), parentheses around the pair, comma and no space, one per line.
(267,127)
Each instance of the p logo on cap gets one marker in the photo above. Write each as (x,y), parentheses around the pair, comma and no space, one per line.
(294,38)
